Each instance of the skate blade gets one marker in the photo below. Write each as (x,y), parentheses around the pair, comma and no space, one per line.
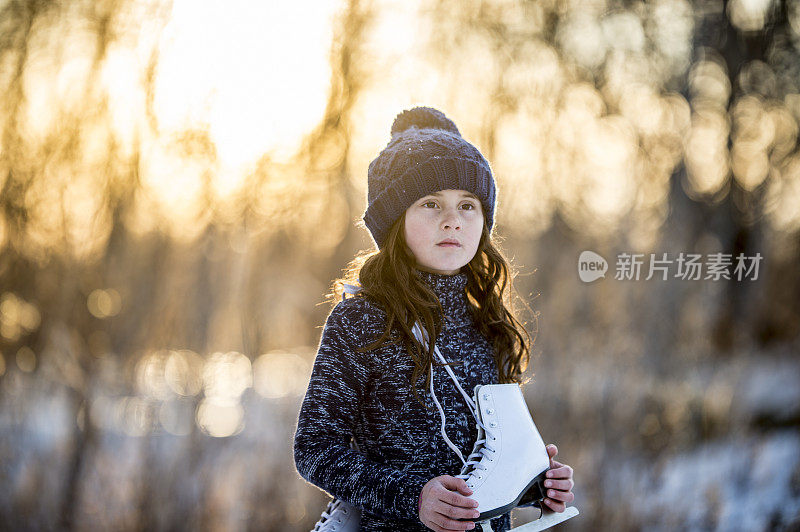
(547,520)
(532,493)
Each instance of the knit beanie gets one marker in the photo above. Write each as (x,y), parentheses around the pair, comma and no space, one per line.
(425,154)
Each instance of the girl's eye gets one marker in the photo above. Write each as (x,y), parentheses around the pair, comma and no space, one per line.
(465,206)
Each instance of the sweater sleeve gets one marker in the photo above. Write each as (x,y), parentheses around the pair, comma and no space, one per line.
(328,417)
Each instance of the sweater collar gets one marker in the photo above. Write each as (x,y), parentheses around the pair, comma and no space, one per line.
(451,291)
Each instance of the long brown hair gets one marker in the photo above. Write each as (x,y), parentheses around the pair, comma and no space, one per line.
(387,278)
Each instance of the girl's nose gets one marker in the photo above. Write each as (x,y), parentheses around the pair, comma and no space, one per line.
(451,221)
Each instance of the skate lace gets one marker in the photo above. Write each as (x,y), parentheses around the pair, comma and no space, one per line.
(482,451)
(475,461)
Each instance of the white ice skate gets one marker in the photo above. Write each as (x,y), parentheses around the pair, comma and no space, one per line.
(509,461)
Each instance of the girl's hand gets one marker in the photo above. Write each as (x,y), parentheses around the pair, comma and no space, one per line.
(559,483)
(443,501)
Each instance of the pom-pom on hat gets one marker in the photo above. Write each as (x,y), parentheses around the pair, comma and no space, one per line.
(426,154)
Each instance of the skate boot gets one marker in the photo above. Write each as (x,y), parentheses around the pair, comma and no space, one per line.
(509,462)
(339,516)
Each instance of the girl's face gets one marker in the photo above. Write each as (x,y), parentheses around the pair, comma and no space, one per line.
(443,230)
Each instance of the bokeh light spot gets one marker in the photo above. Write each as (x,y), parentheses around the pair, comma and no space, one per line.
(177,416)
(220,418)
(227,375)
(280,374)
(26,359)
(104,303)
(150,375)
(183,372)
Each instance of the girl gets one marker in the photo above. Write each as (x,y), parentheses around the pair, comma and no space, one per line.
(431,209)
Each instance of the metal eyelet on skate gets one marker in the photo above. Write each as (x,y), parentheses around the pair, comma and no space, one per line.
(490,411)
(486,396)
(493,424)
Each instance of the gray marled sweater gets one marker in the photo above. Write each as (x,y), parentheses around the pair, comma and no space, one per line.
(367,395)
